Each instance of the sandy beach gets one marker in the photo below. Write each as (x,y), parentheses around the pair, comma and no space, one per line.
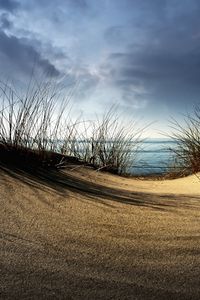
(82,234)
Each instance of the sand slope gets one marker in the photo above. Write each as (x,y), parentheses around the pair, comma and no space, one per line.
(88,235)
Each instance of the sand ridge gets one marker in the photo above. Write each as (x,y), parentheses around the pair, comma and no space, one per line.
(81,234)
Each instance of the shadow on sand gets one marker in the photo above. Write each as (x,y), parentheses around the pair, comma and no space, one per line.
(63,182)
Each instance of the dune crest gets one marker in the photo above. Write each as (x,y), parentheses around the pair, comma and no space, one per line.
(81,234)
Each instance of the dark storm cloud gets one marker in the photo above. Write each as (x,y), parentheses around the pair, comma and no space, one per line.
(162,74)
(59,4)
(17,57)
(59,13)
(116,35)
(81,4)
(164,65)
(140,51)
(9,5)
(5,23)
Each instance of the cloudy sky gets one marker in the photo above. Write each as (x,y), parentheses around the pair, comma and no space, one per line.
(143,55)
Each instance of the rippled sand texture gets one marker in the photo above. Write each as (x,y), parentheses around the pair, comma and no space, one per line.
(87,235)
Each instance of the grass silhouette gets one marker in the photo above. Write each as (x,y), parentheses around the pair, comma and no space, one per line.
(36,129)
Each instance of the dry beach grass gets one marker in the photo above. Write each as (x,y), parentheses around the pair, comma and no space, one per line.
(82,234)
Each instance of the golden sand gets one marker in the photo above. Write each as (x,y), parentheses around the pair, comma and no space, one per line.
(86,235)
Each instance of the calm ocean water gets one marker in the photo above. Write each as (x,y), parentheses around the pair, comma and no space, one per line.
(153,157)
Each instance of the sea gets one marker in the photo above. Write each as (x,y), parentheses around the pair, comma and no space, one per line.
(153,157)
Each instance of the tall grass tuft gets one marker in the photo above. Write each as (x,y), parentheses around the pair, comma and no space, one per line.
(108,144)
(36,128)
(31,124)
(187,138)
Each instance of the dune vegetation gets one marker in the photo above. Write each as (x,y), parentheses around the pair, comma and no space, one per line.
(187,139)
(36,128)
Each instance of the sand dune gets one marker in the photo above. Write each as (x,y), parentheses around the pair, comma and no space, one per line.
(86,235)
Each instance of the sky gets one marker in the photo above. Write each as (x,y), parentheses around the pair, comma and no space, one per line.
(143,55)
